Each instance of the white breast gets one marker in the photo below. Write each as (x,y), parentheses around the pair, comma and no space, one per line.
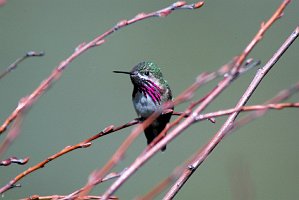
(144,106)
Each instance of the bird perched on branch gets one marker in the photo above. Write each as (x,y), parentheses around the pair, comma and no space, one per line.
(150,92)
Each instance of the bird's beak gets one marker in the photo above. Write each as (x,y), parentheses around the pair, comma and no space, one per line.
(122,72)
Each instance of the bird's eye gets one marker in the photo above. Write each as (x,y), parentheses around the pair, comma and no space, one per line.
(146,73)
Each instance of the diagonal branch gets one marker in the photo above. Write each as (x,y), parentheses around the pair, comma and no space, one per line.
(261,32)
(14,65)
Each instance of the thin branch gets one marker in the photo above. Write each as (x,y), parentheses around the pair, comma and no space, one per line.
(19,60)
(110,176)
(11,160)
(163,184)
(188,121)
(12,134)
(58,197)
(264,27)
(229,124)
(275,106)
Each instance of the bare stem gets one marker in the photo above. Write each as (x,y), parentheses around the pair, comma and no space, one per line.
(58,197)
(19,60)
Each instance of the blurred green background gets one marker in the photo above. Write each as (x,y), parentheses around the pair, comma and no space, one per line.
(259,161)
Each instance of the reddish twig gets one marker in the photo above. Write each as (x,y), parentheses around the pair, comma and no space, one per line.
(19,60)
(2,2)
(257,108)
(12,134)
(264,27)
(9,161)
(163,184)
(191,119)
(113,175)
(83,144)
(15,130)
(58,197)
(229,124)
(110,176)
(276,106)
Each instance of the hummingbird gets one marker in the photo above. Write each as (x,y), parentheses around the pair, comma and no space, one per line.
(150,91)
